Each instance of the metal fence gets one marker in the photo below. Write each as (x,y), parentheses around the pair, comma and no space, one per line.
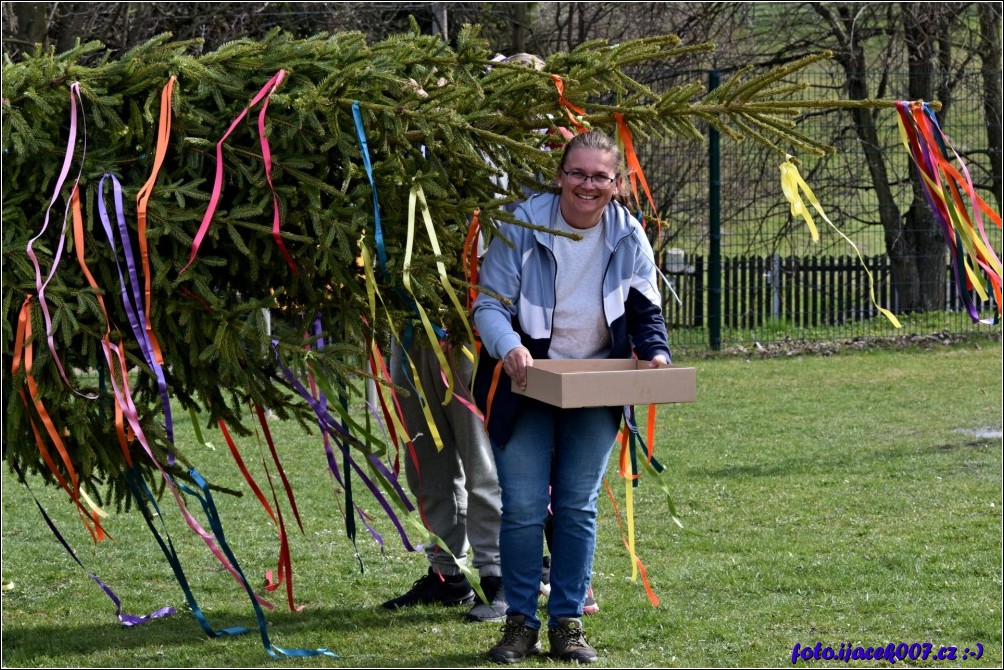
(775,282)
(802,292)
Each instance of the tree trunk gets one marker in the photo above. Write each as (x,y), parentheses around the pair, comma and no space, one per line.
(520,21)
(30,24)
(924,32)
(990,69)
(72,26)
(913,240)
(439,20)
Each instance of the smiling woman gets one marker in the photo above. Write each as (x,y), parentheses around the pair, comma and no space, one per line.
(587,293)
(588,179)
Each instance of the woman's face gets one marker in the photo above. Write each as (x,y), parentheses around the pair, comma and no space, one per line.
(582,200)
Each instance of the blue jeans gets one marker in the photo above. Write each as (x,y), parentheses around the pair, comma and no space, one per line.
(557,457)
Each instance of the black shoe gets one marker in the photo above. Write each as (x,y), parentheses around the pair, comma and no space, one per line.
(432,589)
(495,609)
(518,641)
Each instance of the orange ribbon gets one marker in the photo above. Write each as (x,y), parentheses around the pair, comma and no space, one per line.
(569,106)
(634,165)
(469,257)
(23,348)
(106,345)
(143,197)
(654,599)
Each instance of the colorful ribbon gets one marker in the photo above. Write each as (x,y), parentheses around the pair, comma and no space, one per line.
(133,305)
(636,565)
(285,565)
(23,349)
(106,344)
(144,500)
(365,151)
(342,438)
(946,190)
(40,285)
(127,620)
(205,497)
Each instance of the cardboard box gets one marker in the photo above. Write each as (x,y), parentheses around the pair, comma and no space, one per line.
(607,383)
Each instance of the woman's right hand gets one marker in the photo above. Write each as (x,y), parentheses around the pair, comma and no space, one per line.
(515,364)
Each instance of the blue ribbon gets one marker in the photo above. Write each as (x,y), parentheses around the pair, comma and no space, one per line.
(364,149)
(378,229)
(205,498)
(136,482)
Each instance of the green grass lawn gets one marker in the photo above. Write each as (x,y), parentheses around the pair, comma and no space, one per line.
(852,499)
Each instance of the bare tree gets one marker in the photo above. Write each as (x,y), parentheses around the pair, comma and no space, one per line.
(937,47)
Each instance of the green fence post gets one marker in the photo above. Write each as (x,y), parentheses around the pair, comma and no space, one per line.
(715,229)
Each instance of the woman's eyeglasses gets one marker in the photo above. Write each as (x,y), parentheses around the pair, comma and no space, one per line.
(600,180)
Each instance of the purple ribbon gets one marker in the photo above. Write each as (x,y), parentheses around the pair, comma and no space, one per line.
(137,318)
(127,620)
(130,620)
(332,464)
(330,454)
(341,437)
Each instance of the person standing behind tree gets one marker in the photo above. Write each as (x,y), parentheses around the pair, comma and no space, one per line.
(457,487)
(550,296)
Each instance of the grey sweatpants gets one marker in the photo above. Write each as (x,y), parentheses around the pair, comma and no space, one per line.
(457,487)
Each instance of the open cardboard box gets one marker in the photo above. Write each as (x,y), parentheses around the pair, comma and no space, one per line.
(607,383)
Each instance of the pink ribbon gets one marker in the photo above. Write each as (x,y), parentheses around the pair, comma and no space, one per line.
(214,199)
(40,285)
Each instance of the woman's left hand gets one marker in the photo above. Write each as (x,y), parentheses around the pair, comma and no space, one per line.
(658,361)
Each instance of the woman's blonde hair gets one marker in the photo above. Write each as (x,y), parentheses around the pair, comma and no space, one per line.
(594,139)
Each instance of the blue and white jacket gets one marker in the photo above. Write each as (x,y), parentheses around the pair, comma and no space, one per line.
(524,275)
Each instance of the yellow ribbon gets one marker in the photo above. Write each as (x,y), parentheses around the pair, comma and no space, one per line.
(93,505)
(374,292)
(430,332)
(444,278)
(629,508)
(412,519)
(791,184)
